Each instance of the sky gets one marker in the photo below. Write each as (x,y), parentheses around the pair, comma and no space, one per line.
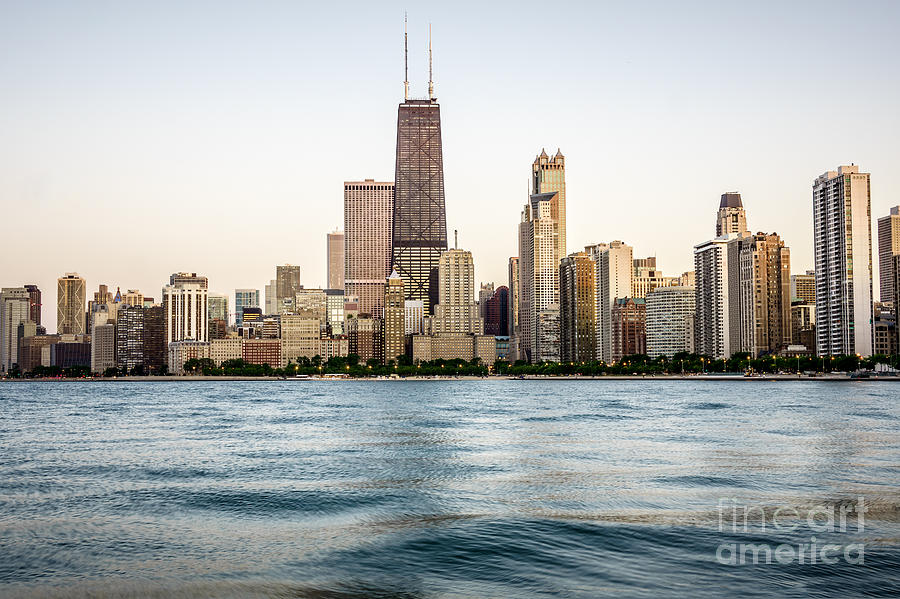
(142,138)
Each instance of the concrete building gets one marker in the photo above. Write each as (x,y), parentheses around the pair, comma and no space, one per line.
(103,340)
(133,297)
(332,347)
(546,343)
(335,260)
(717,317)
(765,291)
(415,317)
(141,338)
(70,351)
(184,278)
(578,308)
(496,313)
(249,298)
(888,247)
(647,277)
(364,338)
(335,301)
(217,307)
(271,298)
(70,302)
(368,222)
(803,325)
(312,303)
(628,320)
(180,352)
(223,350)
(539,243)
(455,347)
(731,217)
(843,252)
(484,294)
(34,297)
(35,351)
(548,175)
(670,320)
(287,284)
(15,309)
(614,265)
(185,306)
(456,311)
(262,351)
(394,322)
(513,308)
(803,287)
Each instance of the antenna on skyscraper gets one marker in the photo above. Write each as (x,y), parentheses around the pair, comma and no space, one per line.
(430,82)
(455,239)
(405,62)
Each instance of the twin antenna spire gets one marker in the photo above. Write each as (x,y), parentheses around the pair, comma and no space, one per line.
(406,63)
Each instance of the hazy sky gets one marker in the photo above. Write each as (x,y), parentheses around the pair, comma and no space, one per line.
(142,138)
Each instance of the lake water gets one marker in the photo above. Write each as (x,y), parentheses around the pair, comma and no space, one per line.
(493,488)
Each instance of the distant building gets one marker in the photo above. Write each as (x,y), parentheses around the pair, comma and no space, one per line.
(614,265)
(803,287)
(335,261)
(271,306)
(312,303)
(415,316)
(141,338)
(513,308)
(15,309)
(224,350)
(364,338)
(578,310)
(647,277)
(262,351)
(496,313)
(539,243)
(427,348)
(803,325)
(484,294)
(368,221)
(888,247)
(718,306)
(670,320)
(394,323)
(248,298)
(70,351)
(300,336)
(731,217)
(180,352)
(628,322)
(335,302)
(885,341)
(184,278)
(34,351)
(217,307)
(765,292)
(843,252)
(133,297)
(218,329)
(186,312)
(70,304)
(34,298)
(103,340)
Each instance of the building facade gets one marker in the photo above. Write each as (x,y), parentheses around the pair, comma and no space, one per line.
(670,321)
(368,222)
(394,322)
(335,260)
(548,175)
(185,306)
(15,309)
(765,288)
(614,265)
(803,287)
(71,295)
(731,217)
(496,313)
(538,273)
(629,327)
(717,317)
(247,298)
(843,253)
(888,247)
(578,308)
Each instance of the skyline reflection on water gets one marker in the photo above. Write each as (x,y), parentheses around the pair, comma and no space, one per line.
(438,488)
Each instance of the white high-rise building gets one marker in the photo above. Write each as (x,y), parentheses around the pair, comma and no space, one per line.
(456,311)
(103,340)
(538,275)
(842,218)
(186,312)
(14,310)
(670,320)
(717,316)
(614,263)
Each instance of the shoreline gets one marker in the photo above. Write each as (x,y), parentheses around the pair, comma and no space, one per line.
(661,377)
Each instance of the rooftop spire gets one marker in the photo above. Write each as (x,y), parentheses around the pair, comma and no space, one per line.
(430,81)
(405,62)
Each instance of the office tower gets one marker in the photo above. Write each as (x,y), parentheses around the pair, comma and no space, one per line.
(538,274)
(133,297)
(334,311)
(484,294)
(895,270)
(496,313)
(187,318)
(670,321)
(578,309)
(415,316)
(287,284)
(34,299)
(15,308)
(888,246)
(803,325)
(300,336)
(312,303)
(217,306)
(803,287)
(731,217)
(141,338)
(885,340)
(843,251)
(765,291)
(628,319)
(368,221)
(394,322)
(35,351)
(614,265)
(70,351)
(70,298)
(513,308)
(104,301)
(717,316)
(103,340)
(364,338)
(249,298)
(271,298)
(548,175)
(419,223)
(456,311)
(648,277)
(188,277)
(335,263)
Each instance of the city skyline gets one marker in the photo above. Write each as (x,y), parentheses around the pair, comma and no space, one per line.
(165,164)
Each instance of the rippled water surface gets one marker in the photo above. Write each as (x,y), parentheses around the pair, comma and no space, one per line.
(444,489)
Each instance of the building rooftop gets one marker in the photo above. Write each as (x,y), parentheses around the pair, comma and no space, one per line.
(731,199)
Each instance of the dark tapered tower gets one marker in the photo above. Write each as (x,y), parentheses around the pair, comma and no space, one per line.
(420,221)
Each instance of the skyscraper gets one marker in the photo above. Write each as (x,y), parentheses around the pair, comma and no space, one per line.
(70,299)
(765,288)
(186,313)
(246,298)
(456,311)
(548,175)
(335,264)
(188,277)
(577,307)
(394,322)
(717,312)
(888,246)
(842,216)
(496,313)
(34,298)
(513,308)
(628,319)
(538,275)
(217,306)
(614,264)
(670,321)
(803,287)
(731,217)
(15,307)
(287,284)
(368,218)
(420,222)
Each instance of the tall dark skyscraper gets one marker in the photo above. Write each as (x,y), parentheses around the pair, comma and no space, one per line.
(420,222)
